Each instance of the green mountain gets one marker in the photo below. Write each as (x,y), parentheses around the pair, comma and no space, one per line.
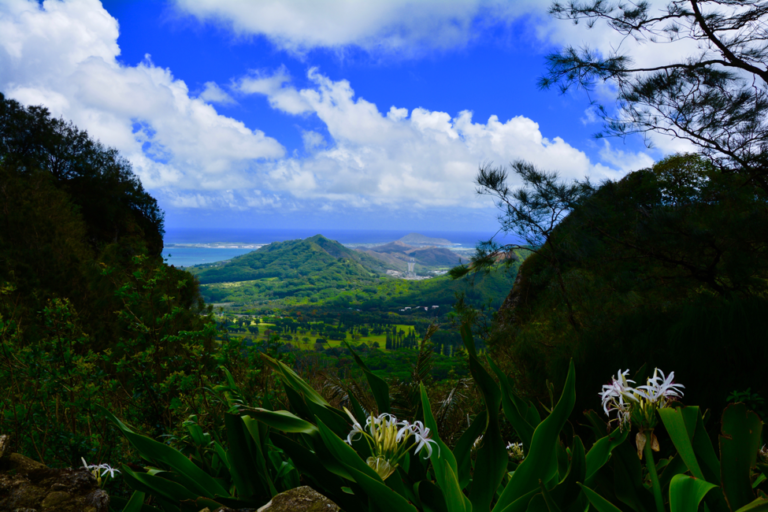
(319,271)
(316,261)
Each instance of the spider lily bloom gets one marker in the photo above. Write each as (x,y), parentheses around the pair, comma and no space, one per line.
(515,451)
(618,396)
(661,389)
(389,440)
(641,404)
(99,471)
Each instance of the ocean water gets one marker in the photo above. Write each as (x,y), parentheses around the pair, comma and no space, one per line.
(188,256)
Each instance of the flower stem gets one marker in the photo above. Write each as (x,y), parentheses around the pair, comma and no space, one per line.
(652,472)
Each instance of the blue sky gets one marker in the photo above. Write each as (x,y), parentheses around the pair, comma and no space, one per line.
(338,114)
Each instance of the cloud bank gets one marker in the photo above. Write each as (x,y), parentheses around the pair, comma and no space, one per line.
(64,55)
(405,27)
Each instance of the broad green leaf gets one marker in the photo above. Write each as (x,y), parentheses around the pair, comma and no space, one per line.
(686,492)
(521,504)
(759,505)
(379,387)
(537,504)
(678,431)
(454,498)
(443,453)
(297,403)
(512,410)
(194,478)
(601,451)
(283,421)
(628,485)
(293,380)
(344,453)
(336,420)
(548,501)
(597,501)
(431,496)
(312,467)
(167,490)
(463,449)
(384,498)
(739,443)
(249,469)
(537,464)
(705,452)
(492,457)
(568,489)
(468,339)
(252,428)
(135,503)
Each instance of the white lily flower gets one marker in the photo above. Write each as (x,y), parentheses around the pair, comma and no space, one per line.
(357,429)
(660,388)
(515,451)
(99,470)
(421,433)
(618,395)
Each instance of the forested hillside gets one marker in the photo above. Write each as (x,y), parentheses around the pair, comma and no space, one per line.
(89,313)
(666,267)
(317,259)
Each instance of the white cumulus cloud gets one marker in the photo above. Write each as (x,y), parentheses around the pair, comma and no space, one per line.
(63,55)
(401,26)
(418,158)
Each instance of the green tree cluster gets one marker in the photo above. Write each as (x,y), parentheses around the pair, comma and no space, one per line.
(89,312)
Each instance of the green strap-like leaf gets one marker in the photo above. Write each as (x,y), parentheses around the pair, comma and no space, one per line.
(454,498)
(195,479)
(492,457)
(463,449)
(759,505)
(601,451)
(675,424)
(283,421)
(344,453)
(568,489)
(431,496)
(259,449)
(597,501)
(686,492)
(292,379)
(135,503)
(443,452)
(379,387)
(739,443)
(538,463)
(512,410)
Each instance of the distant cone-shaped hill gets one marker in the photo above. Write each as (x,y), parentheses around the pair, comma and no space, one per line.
(313,256)
(418,239)
(397,254)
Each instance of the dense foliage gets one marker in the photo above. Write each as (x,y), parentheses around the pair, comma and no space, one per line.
(714,97)
(89,313)
(666,267)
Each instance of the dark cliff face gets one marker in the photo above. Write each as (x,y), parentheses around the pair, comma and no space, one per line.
(650,280)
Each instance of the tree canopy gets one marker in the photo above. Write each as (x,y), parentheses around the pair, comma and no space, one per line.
(714,98)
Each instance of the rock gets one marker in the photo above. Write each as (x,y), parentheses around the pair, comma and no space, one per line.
(300,499)
(28,486)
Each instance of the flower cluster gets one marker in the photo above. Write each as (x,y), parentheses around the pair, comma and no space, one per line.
(515,451)
(99,471)
(639,404)
(389,440)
